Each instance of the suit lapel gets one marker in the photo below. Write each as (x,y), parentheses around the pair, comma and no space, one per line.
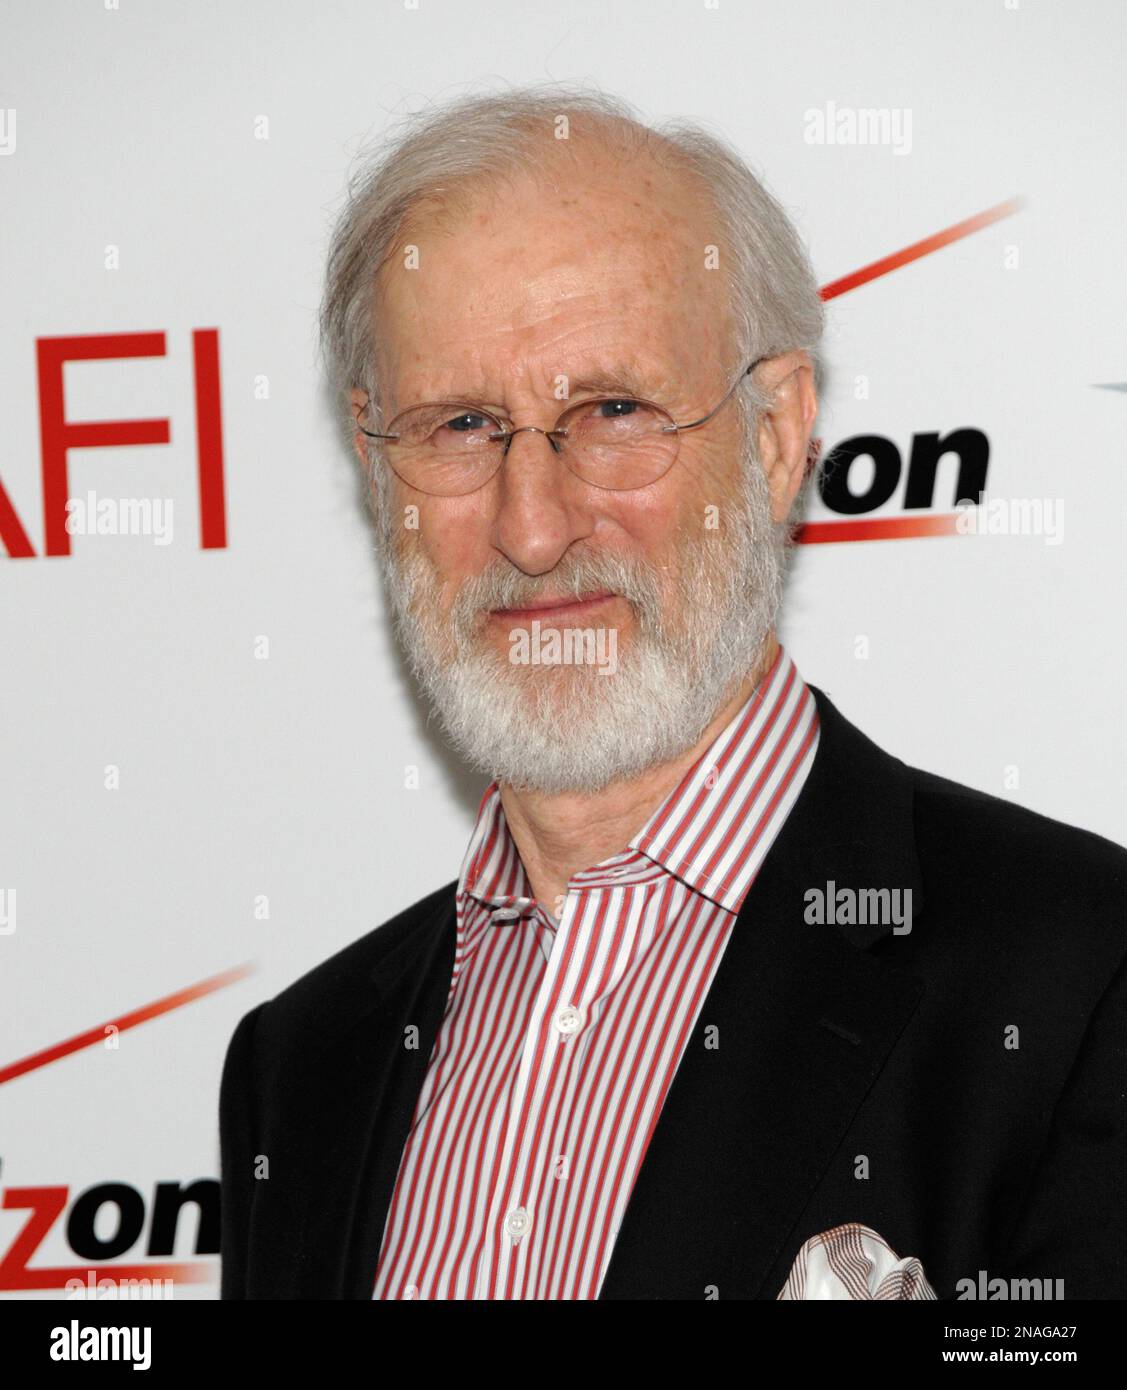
(805,1018)
(363,1087)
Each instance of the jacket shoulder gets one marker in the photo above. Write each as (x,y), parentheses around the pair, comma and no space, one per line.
(998,882)
(990,829)
(971,845)
(340,986)
(1028,888)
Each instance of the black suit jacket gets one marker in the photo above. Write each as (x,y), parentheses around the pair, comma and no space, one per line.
(861,1075)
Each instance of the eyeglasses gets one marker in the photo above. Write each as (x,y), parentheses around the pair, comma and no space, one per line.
(617,443)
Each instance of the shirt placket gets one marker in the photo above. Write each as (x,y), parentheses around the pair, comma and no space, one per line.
(562,1008)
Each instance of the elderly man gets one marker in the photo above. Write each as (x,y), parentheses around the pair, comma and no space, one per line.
(724,995)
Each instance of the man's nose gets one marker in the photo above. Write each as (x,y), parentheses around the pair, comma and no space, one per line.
(540,509)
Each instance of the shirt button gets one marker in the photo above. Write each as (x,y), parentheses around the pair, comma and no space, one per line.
(506,914)
(569,1020)
(518,1222)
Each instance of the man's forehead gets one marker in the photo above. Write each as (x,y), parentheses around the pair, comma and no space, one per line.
(544,262)
(609,286)
(572,231)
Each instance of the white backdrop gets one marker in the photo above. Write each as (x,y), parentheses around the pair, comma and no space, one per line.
(175,167)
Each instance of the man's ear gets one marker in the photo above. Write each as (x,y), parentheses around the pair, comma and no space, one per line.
(358,400)
(785,426)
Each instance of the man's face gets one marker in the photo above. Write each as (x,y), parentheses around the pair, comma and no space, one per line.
(600,282)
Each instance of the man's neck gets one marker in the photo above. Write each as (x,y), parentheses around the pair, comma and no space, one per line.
(558,836)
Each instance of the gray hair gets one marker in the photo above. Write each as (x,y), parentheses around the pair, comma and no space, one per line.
(422,160)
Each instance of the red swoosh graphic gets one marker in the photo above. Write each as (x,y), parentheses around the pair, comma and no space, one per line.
(58,1276)
(880,528)
(129,1020)
(922,248)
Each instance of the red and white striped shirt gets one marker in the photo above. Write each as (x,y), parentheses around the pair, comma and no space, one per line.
(560,1039)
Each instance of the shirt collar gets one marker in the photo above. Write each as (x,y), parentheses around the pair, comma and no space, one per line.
(714,829)
(492,871)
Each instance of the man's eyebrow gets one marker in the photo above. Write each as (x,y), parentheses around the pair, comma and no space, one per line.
(619,381)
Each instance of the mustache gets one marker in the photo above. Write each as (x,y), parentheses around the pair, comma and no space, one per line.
(503,585)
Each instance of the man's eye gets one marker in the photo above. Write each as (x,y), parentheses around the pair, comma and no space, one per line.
(614,410)
(468,423)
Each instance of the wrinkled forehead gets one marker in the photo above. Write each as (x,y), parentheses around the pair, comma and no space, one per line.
(594,258)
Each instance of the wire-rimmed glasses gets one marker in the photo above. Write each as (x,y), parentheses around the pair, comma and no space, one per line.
(618,443)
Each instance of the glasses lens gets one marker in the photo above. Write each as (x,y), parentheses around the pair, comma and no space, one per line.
(445,449)
(619,444)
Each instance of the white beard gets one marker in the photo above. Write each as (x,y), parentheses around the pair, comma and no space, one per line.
(567,728)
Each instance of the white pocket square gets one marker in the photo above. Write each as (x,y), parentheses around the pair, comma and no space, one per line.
(853,1262)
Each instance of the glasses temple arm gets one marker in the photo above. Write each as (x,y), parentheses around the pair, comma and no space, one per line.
(704,419)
